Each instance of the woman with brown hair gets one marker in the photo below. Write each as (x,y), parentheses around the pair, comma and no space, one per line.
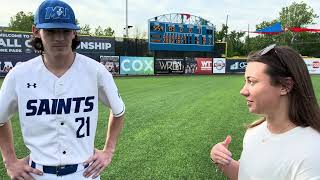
(285,142)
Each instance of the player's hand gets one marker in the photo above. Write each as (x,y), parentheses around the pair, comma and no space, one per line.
(98,162)
(20,169)
(220,154)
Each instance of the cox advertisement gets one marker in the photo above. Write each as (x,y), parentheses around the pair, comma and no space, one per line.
(130,65)
(313,65)
(169,66)
(204,65)
(219,65)
(236,65)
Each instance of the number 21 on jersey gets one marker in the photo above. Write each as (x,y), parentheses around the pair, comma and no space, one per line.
(84,128)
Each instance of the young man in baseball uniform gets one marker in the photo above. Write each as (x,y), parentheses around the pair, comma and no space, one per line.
(56,95)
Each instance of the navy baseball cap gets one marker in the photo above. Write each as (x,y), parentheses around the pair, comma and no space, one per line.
(55,14)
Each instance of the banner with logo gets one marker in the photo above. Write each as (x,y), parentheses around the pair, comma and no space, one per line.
(94,45)
(169,66)
(130,65)
(111,63)
(236,65)
(9,61)
(18,44)
(14,42)
(190,65)
(313,65)
(219,65)
(204,66)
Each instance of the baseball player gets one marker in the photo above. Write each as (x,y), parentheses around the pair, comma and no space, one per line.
(56,95)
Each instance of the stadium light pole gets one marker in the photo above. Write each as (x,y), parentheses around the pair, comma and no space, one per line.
(127,32)
(227,28)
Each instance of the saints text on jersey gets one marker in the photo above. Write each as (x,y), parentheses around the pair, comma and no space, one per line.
(59,106)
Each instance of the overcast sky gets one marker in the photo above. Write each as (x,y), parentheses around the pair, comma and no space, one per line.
(112,12)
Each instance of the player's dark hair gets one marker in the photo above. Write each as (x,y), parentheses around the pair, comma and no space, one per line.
(283,62)
(36,43)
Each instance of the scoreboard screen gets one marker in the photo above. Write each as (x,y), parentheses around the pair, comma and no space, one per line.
(180,37)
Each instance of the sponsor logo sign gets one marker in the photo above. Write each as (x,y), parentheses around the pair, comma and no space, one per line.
(111,63)
(136,65)
(190,65)
(204,65)
(236,65)
(313,65)
(219,65)
(169,66)
(15,42)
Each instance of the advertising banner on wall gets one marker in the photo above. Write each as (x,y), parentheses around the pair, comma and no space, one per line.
(204,65)
(190,65)
(16,46)
(13,42)
(111,63)
(236,65)
(130,65)
(219,65)
(16,42)
(96,45)
(169,66)
(313,65)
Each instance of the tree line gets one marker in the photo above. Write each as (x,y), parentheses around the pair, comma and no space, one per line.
(239,43)
(295,15)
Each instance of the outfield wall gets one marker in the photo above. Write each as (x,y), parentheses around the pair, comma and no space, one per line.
(131,65)
(15,48)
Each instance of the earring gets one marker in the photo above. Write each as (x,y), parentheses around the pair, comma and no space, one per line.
(284,91)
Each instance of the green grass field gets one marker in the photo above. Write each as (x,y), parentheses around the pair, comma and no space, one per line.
(171,124)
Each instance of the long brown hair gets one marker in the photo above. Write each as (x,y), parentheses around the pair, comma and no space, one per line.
(283,62)
(36,43)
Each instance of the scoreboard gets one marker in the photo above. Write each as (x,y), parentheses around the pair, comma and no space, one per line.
(180,37)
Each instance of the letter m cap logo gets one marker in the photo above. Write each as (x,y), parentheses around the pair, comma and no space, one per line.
(57,12)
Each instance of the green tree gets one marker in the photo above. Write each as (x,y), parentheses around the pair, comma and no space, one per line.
(294,15)
(21,22)
(108,32)
(85,30)
(297,15)
(307,43)
(221,35)
(99,31)
(235,45)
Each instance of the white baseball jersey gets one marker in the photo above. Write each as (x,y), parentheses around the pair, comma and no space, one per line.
(58,116)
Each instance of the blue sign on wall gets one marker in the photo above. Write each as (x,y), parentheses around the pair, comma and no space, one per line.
(236,65)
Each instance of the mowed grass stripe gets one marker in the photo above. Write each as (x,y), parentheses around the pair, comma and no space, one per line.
(171,124)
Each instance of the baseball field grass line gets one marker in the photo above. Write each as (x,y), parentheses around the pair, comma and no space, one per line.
(171,124)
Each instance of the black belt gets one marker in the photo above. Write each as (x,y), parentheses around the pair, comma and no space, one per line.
(59,170)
